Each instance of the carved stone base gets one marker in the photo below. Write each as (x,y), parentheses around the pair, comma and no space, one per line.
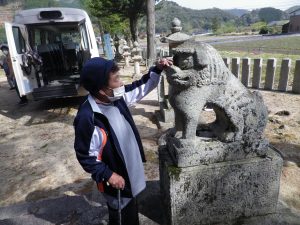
(187,152)
(219,192)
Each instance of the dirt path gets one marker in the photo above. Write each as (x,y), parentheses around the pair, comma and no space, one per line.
(38,160)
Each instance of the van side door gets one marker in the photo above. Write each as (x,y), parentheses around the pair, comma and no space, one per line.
(84,43)
(17,38)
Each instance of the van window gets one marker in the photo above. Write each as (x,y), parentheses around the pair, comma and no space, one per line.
(60,34)
(19,40)
(83,33)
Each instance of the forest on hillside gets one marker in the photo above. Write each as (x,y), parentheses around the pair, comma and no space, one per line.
(213,20)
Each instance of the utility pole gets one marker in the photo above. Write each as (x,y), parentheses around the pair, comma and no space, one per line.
(150,32)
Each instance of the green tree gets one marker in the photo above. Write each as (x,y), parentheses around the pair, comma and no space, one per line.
(112,23)
(215,24)
(123,9)
(30,4)
(270,14)
(257,26)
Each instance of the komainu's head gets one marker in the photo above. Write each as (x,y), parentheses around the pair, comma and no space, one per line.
(196,64)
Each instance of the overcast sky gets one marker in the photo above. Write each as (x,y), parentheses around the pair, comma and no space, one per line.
(240,4)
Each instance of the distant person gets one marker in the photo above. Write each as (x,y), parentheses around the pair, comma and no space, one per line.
(107,142)
(8,68)
(5,65)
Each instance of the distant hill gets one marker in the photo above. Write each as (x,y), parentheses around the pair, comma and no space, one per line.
(267,15)
(289,10)
(192,20)
(198,21)
(237,12)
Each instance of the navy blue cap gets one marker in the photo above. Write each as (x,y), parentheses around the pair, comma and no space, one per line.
(95,74)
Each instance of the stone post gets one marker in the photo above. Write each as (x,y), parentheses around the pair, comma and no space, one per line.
(137,58)
(113,47)
(257,71)
(270,74)
(284,74)
(246,71)
(235,67)
(118,56)
(296,82)
(227,62)
(126,53)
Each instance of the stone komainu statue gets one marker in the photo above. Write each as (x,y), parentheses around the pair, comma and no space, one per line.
(200,77)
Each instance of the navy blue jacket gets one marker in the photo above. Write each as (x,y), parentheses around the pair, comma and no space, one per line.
(89,118)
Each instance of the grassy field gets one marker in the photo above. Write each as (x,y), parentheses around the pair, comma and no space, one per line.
(280,48)
(281,45)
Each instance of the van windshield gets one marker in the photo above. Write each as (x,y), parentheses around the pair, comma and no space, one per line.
(54,34)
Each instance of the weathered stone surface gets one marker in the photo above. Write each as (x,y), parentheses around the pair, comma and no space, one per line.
(220,192)
(202,150)
(176,36)
(199,77)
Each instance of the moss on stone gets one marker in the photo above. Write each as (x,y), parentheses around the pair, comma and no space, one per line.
(174,172)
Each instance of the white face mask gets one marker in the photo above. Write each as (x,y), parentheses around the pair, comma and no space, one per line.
(118,93)
(5,52)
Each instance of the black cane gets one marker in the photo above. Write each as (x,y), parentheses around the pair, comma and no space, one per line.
(119,207)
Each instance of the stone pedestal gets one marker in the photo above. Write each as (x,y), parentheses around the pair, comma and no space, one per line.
(219,192)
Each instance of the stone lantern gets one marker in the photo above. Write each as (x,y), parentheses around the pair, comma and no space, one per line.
(126,53)
(137,58)
(174,39)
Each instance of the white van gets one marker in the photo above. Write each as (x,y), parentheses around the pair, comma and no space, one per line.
(48,47)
